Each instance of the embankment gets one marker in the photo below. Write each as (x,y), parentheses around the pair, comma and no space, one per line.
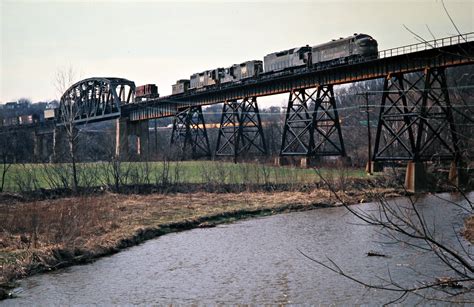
(44,235)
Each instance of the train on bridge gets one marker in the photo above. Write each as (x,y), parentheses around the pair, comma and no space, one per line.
(352,49)
(415,121)
(20,120)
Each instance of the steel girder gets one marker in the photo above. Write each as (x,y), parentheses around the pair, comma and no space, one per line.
(312,126)
(189,129)
(415,120)
(95,99)
(240,130)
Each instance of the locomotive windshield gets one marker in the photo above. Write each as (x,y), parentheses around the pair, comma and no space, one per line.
(359,36)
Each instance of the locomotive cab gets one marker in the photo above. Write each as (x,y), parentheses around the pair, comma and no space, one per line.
(365,46)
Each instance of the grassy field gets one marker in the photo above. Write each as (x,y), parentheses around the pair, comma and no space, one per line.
(29,177)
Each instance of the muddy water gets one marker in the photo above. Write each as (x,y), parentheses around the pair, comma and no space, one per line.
(254,261)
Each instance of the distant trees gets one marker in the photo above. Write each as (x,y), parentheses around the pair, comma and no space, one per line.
(353,121)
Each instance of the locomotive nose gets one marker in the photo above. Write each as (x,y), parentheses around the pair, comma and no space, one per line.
(367,42)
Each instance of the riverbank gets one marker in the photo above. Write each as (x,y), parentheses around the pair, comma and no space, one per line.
(44,235)
(469,229)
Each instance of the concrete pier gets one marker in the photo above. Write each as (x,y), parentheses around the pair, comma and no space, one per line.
(458,175)
(416,177)
(59,143)
(297,161)
(376,167)
(131,139)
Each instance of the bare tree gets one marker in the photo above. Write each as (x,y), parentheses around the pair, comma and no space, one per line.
(406,225)
(5,154)
(68,111)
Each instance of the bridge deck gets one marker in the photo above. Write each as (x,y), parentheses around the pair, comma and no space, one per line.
(461,53)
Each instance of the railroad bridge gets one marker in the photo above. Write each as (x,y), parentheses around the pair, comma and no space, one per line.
(415,121)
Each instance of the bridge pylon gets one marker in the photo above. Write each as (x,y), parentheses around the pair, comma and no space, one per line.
(42,145)
(131,139)
(189,130)
(312,126)
(416,123)
(240,130)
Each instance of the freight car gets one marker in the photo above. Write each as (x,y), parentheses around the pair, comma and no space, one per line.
(146,91)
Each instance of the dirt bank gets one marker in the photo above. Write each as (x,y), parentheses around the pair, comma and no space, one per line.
(468,231)
(44,235)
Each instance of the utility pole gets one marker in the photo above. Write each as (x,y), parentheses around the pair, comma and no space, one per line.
(367,111)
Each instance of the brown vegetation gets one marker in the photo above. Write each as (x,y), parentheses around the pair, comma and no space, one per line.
(48,234)
(468,231)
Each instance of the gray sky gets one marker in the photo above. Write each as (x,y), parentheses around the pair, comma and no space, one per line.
(160,42)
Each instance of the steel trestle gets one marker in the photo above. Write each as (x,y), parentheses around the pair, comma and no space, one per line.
(415,119)
(189,129)
(240,130)
(312,126)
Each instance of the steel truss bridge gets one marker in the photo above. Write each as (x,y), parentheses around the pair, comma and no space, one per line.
(415,120)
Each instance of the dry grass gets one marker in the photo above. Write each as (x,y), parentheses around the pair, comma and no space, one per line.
(41,235)
(468,231)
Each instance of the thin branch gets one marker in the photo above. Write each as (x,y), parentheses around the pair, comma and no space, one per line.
(451,19)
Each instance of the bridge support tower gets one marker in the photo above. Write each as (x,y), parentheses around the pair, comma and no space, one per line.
(42,145)
(189,131)
(416,125)
(131,139)
(312,127)
(60,144)
(240,131)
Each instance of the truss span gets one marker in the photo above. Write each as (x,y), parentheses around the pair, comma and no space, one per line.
(95,99)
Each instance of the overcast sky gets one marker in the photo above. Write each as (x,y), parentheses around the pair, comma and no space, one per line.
(160,42)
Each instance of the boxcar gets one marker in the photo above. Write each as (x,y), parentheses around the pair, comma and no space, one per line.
(147,91)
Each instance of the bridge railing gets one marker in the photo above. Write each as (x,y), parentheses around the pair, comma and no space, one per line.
(433,44)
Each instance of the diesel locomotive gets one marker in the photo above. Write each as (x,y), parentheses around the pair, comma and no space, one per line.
(352,49)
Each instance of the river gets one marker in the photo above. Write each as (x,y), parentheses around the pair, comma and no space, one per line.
(255,261)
